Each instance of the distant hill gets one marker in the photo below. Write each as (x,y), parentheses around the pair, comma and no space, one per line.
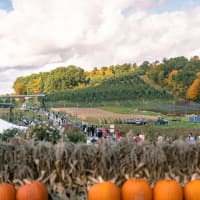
(177,77)
(115,88)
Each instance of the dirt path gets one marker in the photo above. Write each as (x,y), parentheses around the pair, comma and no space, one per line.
(85,113)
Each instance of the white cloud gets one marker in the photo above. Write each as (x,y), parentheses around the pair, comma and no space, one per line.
(49,33)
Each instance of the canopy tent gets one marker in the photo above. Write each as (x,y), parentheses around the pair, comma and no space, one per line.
(4,125)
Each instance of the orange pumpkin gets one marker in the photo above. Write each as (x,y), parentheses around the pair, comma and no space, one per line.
(167,190)
(136,189)
(7,191)
(192,190)
(32,191)
(104,191)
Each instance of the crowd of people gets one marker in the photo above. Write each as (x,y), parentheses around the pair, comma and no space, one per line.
(44,116)
(95,133)
(190,138)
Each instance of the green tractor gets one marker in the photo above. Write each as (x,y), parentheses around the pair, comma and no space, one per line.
(161,121)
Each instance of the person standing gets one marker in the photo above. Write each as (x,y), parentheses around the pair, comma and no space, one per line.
(118,134)
(137,138)
(191,138)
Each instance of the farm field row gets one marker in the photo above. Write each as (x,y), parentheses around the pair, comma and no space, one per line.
(177,126)
(85,113)
(123,114)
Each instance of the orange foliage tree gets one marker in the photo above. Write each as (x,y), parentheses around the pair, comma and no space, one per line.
(171,75)
(193,90)
(20,88)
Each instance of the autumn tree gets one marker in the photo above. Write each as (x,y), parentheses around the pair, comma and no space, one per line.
(193,90)
(171,76)
(172,84)
(35,85)
(19,86)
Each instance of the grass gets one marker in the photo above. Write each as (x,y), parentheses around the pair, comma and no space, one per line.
(128,110)
(140,104)
(152,131)
(154,109)
(174,129)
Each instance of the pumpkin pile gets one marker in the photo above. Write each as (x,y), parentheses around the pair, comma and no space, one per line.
(132,189)
(32,191)
(140,189)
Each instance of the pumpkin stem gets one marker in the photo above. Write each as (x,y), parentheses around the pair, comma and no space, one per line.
(167,176)
(177,178)
(100,179)
(137,176)
(113,180)
(26,181)
(127,176)
(194,176)
(93,180)
(18,182)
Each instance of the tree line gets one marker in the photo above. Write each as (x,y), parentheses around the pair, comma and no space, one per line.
(180,76)
(63,78)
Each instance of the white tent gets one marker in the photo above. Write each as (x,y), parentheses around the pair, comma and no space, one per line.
(4,125)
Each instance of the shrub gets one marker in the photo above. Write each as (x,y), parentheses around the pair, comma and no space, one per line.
(77,137)
(74,134)
(45,133)
(9,133)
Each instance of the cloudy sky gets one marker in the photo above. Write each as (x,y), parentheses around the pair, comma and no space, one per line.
(40,35)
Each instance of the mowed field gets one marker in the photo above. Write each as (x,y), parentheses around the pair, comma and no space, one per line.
(4,110)
(97,113)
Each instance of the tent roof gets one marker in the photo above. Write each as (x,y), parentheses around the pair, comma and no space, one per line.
(4,125)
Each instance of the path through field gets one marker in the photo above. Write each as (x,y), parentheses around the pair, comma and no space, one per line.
(85,113)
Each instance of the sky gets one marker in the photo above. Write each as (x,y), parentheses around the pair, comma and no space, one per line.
(41,35)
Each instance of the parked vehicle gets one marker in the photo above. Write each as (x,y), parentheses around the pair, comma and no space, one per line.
(137,121)
(194,118)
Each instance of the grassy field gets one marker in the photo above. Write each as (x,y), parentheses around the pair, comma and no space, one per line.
(179,120)
(178,126)
(171,106)
(117,112)
(128,110)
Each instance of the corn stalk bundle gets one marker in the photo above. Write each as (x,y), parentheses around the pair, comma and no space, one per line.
(70,169)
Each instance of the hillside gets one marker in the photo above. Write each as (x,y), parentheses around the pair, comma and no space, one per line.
(117,88)
(177,77)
